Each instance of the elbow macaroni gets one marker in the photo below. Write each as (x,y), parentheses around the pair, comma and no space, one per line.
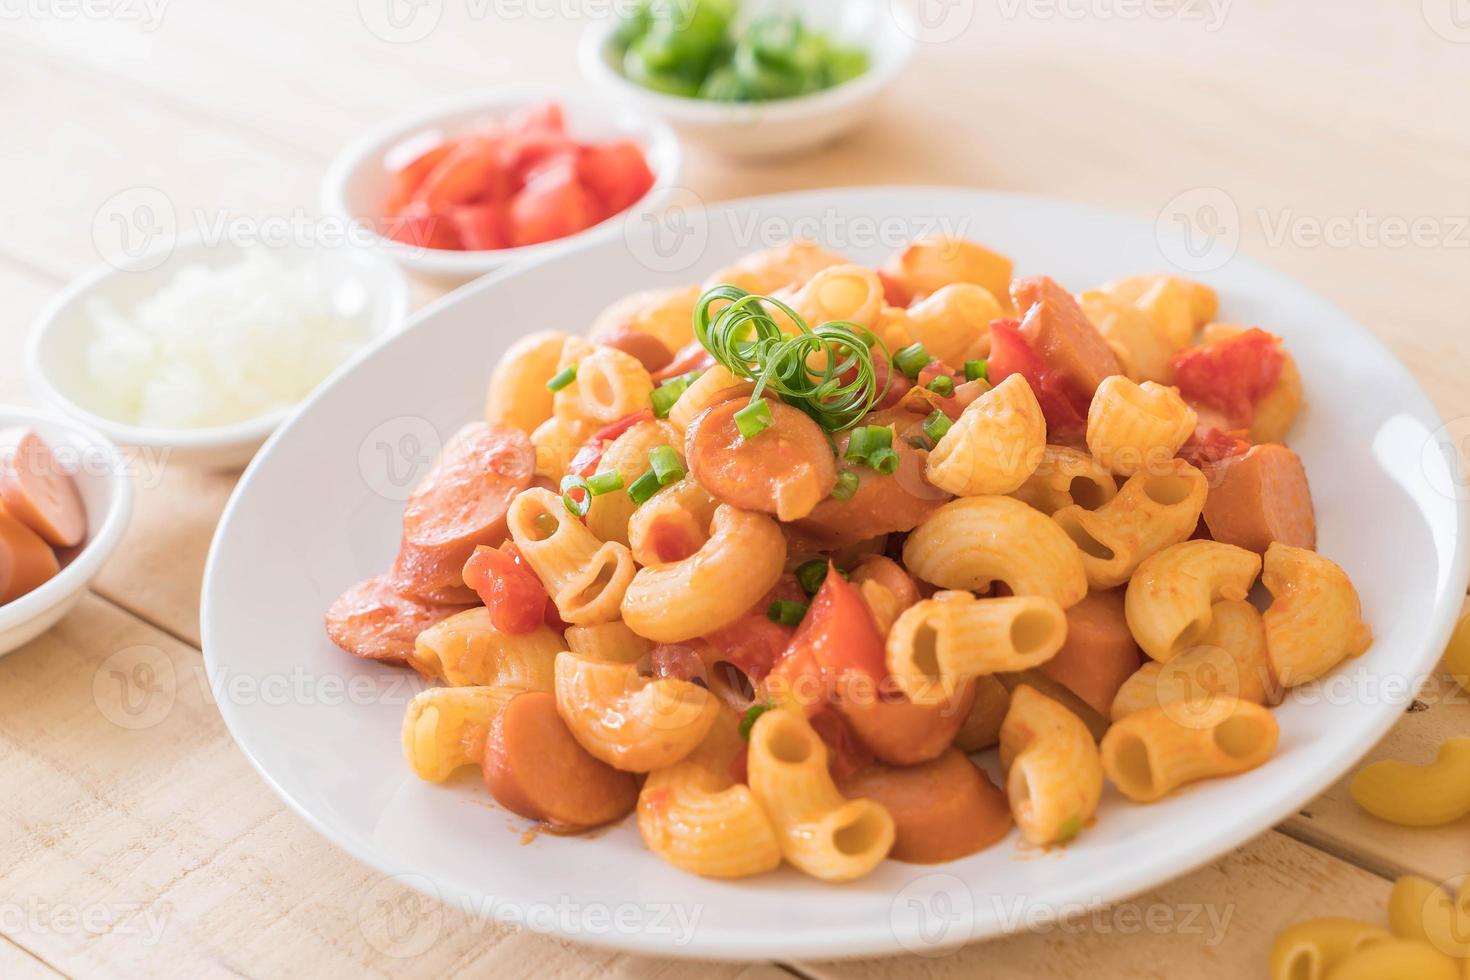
(466,650)
(444,728)
(608,513)
(667,314)
(1171,597)
(679,512)
(1396,959)
(927,265)
(631,722)
(1142,353)
(973,542)
(585,577)
(1053,774)
(610,385)
(518,394)
(819,832)
(1309,950)
(953,322)
(608,642)
(1151,753)
(1228,659)
(840,292)
(1314,620)
(995,446)
(1135,428)
(1067,476)
(1150,512)
(1418,796)
(715,385)
(1422,911)
(695,816)
(743,557)
(939,643)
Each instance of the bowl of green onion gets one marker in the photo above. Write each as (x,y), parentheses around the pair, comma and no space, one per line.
(752,78)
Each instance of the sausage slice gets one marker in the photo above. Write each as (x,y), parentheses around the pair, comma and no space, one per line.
(785,470)
(942,810)
(534,767)
(1060,332)
(26,561)
(1099,653)
(373,621)
(38,492)
(1260,497)
(461,504)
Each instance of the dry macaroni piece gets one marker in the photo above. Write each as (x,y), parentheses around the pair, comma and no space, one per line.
(814,527)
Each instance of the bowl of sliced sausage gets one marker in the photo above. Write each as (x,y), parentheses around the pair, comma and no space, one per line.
(65,496)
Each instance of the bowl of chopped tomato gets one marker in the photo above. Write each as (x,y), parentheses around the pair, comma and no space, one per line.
(465,188)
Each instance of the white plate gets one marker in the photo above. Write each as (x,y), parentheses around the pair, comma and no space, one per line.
(319,509)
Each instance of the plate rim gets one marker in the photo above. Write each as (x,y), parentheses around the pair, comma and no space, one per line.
(1123,881)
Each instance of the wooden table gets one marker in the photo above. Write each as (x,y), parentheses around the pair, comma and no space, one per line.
(158,849)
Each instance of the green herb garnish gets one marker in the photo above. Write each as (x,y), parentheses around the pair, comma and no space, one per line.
(912,359)
(563,378)
(666,465)
(578,507)
(936,425)
(747,340)
(644,487)
(786,612)
(847,485)
(751,714)
(977,370)
(943,386)
(811,574)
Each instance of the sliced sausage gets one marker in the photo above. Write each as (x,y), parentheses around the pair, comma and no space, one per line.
(459,505)
(942,810)
(898,731)
(534,767)
(1099,653)
(785,470)
(1060,332)
(38,492)
(374,621)
(26,561)
(1260,497)
(651,352)
(882,503)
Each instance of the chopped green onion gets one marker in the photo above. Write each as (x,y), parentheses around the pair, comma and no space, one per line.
(666,394)
(943,386)
(811,574)
(867,439)
(786,612)
(912,359)
(666,465)
(605,482)
(644,487)
(828,370)
(977,370)
(883,460)
(751,714)
(753,419)
(563,378)
(936,425)
(574,506)
(847,484)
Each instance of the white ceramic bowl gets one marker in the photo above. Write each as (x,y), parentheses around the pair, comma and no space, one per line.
(106,488)
(788,126)
(357,180)
(362,283)
(322,506)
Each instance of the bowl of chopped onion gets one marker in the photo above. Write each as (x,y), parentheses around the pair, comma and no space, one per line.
(196,351)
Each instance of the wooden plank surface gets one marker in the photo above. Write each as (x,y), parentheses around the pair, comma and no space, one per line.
(164,832)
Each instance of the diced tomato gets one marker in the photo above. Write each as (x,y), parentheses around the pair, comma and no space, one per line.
(678,661)
(1065,410)
(1231,375)
(481,226)
(616,173)
(836,635)
(589,457)
(894,292)
(471,172)
(407,179)
(898,385)
(546,116)
(754,642)
(846,753)
(417,225)
(514,596)
(553,205)
(691,357)
(527,157)
(1209,445)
